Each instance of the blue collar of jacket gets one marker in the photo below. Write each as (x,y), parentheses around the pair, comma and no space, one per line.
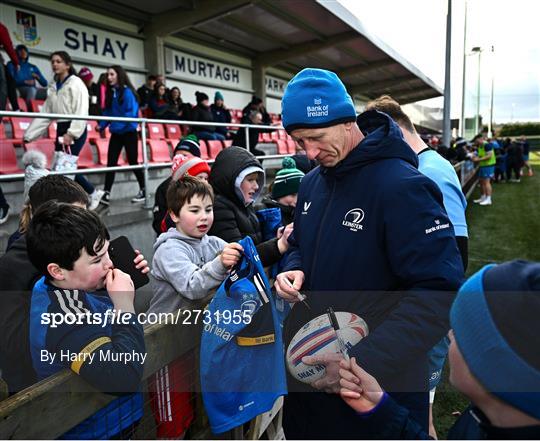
(60,83)
(383,140)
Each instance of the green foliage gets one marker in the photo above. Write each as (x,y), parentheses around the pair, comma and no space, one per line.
(517,129)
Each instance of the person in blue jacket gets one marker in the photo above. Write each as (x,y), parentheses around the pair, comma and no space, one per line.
(492,361)
(121,100)
(71,316)
(371,237)
(440,171)
(27,75)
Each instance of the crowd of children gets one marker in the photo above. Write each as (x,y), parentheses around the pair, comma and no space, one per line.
(200,214)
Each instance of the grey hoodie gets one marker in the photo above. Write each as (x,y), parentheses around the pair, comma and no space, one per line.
(184,269)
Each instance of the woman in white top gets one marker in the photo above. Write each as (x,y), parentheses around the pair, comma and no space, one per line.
(66,94)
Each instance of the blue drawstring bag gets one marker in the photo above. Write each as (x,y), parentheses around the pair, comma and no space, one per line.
(242,365)
(270,221)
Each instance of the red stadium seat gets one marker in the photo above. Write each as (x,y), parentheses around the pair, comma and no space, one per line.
(173,131)
(36,105)
(204,149)
(22,104)
(2,130)
(159,150)
(282,148)
(227,143)
(140,158)
(214,147)
(291,146)
(52,130)
(92,130)
(102,146)
(266,137)
(43,145)
(86,157)
(274,135)
(8,158)
(19,126)
(282,134)
(155,131)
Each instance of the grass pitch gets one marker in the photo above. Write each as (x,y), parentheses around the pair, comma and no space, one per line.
(506,230)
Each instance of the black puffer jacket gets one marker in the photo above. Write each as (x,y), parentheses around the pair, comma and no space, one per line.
(17,278)
(232,219)
(203,114)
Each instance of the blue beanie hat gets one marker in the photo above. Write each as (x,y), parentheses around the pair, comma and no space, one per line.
(495,323)
(316,98)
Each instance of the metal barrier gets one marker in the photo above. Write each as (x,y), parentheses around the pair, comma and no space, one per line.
(67,399)
(145,166)
(467,172)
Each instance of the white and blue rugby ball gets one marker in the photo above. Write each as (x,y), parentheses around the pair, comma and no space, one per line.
(318,337)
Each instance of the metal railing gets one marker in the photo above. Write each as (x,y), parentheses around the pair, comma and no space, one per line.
(467,172)
(145,166)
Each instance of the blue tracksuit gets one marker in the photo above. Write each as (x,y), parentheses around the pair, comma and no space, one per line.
(129,108)
(372,237)
(102,372)
(26,69)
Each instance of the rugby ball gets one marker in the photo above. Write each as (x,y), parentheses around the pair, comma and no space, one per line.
(318,337)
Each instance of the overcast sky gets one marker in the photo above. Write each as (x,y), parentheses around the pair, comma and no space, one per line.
(416,29)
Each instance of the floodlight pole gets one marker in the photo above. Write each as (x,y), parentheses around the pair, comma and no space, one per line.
(462,121)
(447,129)
(478,50)
(490,128)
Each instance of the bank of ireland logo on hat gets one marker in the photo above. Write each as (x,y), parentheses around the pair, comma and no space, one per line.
(318,109)
(316,98)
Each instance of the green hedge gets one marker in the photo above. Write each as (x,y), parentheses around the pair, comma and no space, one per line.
(517,129)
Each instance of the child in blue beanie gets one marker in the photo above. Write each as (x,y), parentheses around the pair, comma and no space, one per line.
(494,360)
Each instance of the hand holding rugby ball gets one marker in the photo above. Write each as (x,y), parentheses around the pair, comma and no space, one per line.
(318,337)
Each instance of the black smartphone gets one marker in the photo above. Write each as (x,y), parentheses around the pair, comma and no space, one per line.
(122,255)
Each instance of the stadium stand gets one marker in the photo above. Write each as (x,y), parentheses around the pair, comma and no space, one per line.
(19,126)
(44,145)
(214,147)
(8,158)
(174,132)
(156,131)
(159,150)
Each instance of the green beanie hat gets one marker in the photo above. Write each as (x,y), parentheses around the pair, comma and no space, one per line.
(287,179)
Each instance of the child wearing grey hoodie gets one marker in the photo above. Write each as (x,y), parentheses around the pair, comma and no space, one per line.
(187,262)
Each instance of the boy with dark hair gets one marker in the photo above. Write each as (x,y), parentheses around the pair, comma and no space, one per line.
(96,335)
(187,265)
(16,286)
(493,361)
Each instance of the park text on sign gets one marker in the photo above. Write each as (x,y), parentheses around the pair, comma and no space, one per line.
(275,86)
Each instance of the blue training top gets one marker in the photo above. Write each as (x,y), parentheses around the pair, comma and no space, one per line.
(68,339)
